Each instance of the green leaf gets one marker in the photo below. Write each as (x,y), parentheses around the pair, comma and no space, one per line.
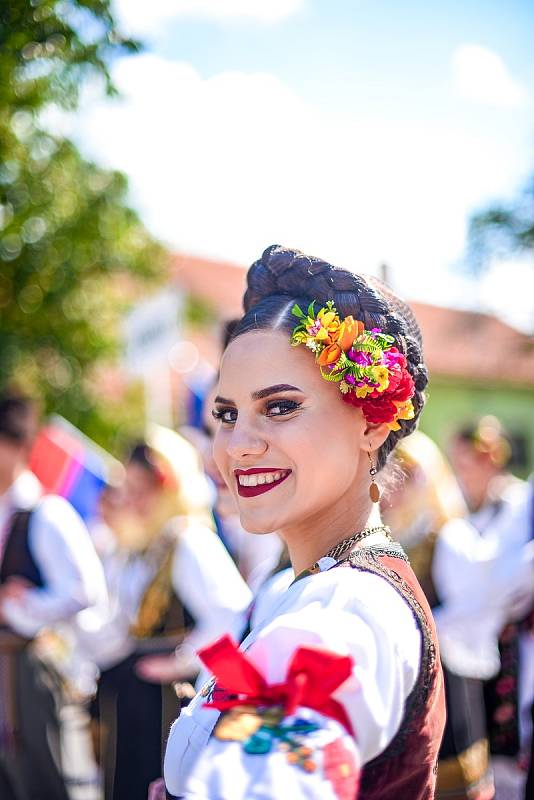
(297,311)
(333,377)
(311,309)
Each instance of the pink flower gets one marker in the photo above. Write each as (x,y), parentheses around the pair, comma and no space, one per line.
(505,685)
(361,358)
(393,357)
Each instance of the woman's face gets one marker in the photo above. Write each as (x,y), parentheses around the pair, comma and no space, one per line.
(286,444)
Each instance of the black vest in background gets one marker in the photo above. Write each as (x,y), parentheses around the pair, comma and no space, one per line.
(18,559)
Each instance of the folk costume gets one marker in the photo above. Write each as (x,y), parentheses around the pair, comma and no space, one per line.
(337,691)
(510,693)
(387,709)
(44,542)
(482,580)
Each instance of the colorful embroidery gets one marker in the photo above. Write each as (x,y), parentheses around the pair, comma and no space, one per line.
(262,729)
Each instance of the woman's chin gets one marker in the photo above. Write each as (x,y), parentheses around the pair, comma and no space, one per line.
(254,524)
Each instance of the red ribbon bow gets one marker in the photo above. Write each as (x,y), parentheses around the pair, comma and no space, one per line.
(312,676)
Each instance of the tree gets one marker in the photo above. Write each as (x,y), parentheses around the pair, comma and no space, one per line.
(71,251)
(503,229)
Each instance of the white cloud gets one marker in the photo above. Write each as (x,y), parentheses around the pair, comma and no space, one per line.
(227,165)
(481,75)
(138,17)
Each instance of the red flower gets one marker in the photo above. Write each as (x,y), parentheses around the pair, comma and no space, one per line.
(340,768)
(404,390)
(380,409)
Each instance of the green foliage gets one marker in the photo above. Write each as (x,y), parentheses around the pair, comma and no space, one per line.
(72,254)
(502,229)
(48,47)
(199,312)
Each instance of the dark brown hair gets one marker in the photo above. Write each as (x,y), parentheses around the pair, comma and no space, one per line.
(18,418)
(283,276)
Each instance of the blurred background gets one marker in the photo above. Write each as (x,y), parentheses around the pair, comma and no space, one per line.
(149,154)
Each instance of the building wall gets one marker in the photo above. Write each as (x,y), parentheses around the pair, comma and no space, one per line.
(454,402)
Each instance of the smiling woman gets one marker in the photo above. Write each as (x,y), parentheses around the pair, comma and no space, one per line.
(337,691)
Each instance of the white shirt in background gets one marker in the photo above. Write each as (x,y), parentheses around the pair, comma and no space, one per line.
(62,550)
(204,578)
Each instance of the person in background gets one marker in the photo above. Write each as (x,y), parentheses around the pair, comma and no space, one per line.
(529,788)
(480,454)
(49,573)
(502,514)
(172,588)
(418,503)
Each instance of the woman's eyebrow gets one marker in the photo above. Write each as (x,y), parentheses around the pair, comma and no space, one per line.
(279,387)
(224,401)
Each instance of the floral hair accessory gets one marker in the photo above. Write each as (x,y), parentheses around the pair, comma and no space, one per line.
(371,372)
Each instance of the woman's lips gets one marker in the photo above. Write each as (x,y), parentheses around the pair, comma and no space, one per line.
(259,488)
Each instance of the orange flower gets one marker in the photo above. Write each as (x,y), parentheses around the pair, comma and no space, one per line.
(348,331)
(329,355)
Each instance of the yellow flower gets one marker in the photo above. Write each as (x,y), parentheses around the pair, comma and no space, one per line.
(404,411)
(322,334)
(327,317)
(363,391)
(381,376)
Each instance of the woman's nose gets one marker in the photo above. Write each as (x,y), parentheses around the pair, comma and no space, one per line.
(244,441)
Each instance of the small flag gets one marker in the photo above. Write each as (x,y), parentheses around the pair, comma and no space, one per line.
(69,464)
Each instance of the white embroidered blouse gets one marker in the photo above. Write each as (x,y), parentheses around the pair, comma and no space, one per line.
(344,611)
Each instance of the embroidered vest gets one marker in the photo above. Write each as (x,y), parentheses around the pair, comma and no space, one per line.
(18,559)
(406,770)
(161,613)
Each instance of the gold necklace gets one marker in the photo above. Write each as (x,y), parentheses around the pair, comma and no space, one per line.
(339,548)
(355,538)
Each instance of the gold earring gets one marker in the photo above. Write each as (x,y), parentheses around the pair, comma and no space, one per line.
(374,491)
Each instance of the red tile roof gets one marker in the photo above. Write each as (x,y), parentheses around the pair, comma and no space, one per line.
(458,344)
(476,346)
(217,282)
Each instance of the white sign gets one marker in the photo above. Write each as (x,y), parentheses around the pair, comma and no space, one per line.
(151,330)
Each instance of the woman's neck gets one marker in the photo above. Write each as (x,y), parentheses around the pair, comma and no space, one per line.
(313,538)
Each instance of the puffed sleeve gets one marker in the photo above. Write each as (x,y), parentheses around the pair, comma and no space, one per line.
(206,579)
(345,614)
(73,577)
(321,763)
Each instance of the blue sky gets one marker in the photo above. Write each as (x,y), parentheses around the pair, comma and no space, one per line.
(359,131)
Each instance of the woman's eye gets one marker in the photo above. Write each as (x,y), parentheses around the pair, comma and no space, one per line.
(226,415)
(277,408)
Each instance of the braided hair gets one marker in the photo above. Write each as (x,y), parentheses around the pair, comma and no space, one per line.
(283,276)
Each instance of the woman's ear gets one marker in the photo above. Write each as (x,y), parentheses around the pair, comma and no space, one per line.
(374,435)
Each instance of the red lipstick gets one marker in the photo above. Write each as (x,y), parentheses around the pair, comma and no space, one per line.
(253,491)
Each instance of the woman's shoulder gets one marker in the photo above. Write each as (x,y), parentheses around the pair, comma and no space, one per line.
(343,601)
(360,582)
